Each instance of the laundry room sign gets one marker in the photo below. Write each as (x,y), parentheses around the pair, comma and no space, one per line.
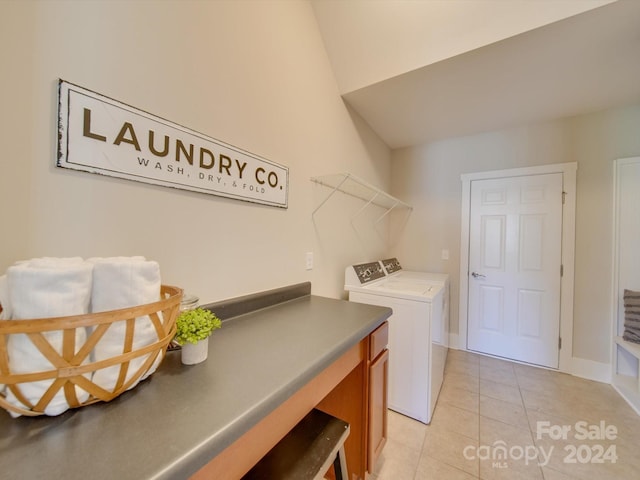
(97,134)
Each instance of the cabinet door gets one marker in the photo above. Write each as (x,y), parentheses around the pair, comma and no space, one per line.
(378,382)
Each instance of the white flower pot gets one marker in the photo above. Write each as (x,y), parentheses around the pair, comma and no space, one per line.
(192,354)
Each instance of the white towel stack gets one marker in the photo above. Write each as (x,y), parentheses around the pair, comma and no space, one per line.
(43,288)
(4,298)
(122,282)
(58,287)
(6,307)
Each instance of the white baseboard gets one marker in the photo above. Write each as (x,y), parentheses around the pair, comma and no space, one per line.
(591,370)
(580,367)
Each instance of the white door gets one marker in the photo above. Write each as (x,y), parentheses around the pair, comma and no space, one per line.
(515,235)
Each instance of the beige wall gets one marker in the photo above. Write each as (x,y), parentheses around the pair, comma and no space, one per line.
(429,178)
(251,73)
(255,74)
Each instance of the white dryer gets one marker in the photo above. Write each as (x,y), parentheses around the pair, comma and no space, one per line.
(416,352)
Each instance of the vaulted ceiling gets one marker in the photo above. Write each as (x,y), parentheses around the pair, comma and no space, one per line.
(420,71)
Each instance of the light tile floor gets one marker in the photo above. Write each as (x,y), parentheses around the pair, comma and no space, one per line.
(489,406)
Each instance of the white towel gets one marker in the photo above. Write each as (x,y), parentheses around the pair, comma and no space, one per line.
(43,288)
(4,299)
(49,287)
(122,282)
(6,307)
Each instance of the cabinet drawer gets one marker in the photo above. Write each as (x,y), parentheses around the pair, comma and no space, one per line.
(378,340)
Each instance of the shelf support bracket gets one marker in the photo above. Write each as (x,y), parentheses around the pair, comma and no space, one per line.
(335,189)
(363,208)
(386,213)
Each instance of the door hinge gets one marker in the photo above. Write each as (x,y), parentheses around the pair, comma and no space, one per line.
(559,343)
(561,270)
(564,194)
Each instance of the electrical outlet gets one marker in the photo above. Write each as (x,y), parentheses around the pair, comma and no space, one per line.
(445,254)
(309,260)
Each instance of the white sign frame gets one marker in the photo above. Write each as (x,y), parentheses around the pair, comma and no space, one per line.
(98,134)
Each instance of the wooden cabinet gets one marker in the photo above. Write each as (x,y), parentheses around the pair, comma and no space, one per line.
(378,385)
(353,388)
(361,400)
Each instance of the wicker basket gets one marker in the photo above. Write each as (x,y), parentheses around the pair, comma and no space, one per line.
(73,366)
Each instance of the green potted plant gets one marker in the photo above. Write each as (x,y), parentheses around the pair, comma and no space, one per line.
(193,328)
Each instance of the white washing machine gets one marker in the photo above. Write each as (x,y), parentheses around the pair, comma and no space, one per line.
(417,351)
(394,271)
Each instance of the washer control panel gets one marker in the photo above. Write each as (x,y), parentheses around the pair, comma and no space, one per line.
(391,265)
(368,272)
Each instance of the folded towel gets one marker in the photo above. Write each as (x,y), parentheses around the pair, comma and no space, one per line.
(4,299)
(43,288)
(631,316)
(5,314)
(122,282)
(49,287)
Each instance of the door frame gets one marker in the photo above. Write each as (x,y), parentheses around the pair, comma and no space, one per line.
(568,171)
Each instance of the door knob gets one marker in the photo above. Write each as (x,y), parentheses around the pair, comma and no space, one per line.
(477,275)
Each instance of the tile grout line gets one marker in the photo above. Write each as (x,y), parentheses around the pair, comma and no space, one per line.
(526,412)
(424,438)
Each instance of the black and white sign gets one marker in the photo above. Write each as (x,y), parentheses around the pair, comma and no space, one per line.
(100,135)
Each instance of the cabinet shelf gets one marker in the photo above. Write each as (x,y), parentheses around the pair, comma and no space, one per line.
(356,187)
(626,378)
(630,347)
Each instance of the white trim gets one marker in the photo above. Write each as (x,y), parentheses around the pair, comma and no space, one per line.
(568,250)
(628,395)
(627,386)
(519,172)
(615,253)
(591,370)
(614,269)
(568,262)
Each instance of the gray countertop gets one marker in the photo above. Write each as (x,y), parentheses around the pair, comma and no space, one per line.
(173,423)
